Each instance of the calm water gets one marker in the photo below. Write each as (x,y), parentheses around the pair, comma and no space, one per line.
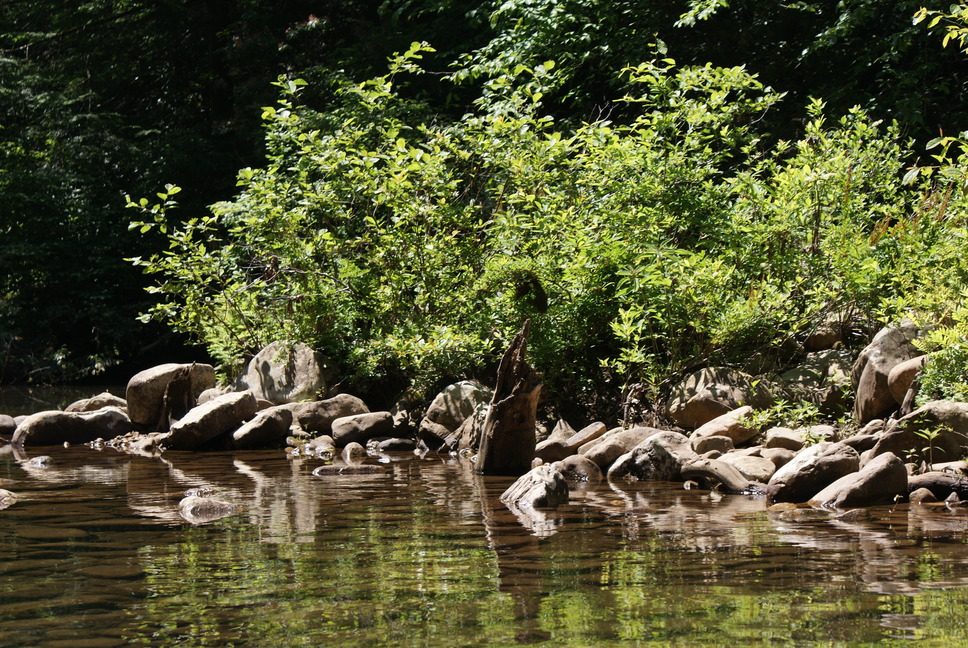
(95,554)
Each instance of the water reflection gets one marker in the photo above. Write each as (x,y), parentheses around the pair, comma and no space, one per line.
(424,553)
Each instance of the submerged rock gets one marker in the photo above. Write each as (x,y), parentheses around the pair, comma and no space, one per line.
(202,509)
(541,487)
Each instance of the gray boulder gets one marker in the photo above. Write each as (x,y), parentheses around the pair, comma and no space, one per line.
(734,424)
(57,428)
(207,422)
(758,469)
(285,372)
(317,416)
(541,487)
(879,482)
(712,392)
(784,437)
(94,403)
(360,428)
(146,389)
(268,429)
(869,376)
(615,443)
(811,470)
(659,458)
(449,409)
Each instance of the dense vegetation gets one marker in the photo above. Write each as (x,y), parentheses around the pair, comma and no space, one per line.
(657,186)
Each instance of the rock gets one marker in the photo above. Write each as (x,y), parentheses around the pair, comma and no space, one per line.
(268,429)
(356,469)
(713,473)
(94,403)
(784,437)
(321,447)
(902,375)
(206,422)
(615,443)
(758,469)
(7,498)
(824,336)
(57,428)
(7,427)
(879,482)
(779,456)
(941,484)
(541,487)
(890,347)
(468,435)
(396,444)
(922,496)
(712,392)
(936,432)
(712,443)
(146,389)
(361,427)
(579,468)
(659,458)
(211,394)
(353,453)
(862,442)
(555,448)
(449,409)
(202,510)
(811,470)
(317,416)
(285,372)
(734,424)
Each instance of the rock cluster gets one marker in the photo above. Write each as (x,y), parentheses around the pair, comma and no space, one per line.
(712,441)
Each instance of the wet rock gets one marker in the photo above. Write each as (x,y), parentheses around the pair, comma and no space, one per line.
(395,444)
(712,392)
(360,428)
(331,470)
(712,473)
(202,510)
(449,409)
(321,447)
(541,487)
(922,496)
(146,389)
(659,458)
(879,482)
(579,468)
(615,443)
(206,422)
(7,427)
(7,499)
(57,428)
(95,403)
(317,417)
(941,484)
(285,372)
(353,453)
(734,424)
(869,376)
(268,429)
(812,470)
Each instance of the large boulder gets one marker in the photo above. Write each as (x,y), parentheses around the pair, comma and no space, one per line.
(360,428)
(935,432)
(812,470)
(615,443)
(57,428)
(207,422)
(285,372)
(879,482)
(712,392)
(268,429)
(659,458)
(449,409)
(146,389)
(541,487)
(901,377)
(869,376)
(736,425)
(758,469)
(317,417)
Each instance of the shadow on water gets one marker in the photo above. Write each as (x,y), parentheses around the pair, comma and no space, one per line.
(424,553)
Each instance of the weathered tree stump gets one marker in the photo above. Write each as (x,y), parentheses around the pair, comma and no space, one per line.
(508,436)
(178,399)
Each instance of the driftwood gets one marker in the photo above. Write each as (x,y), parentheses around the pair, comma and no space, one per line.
(508,437)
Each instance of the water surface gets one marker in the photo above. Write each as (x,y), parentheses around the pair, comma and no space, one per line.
(95,553)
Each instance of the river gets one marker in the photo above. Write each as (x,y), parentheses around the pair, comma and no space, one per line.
(95,553)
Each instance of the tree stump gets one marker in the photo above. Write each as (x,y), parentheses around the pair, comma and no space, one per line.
(508,436)
(178,399)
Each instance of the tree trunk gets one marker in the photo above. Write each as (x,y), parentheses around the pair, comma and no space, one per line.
(508,437)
